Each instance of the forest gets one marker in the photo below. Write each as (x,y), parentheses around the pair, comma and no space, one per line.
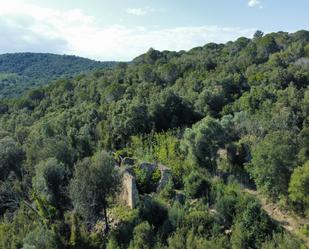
(21,72)
(225,119)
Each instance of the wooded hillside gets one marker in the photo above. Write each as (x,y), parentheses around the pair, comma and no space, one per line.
(221,117)
(21,72)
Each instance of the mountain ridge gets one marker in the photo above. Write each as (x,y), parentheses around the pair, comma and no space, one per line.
(20,72)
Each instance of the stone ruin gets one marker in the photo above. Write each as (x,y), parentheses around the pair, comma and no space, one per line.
(129,193)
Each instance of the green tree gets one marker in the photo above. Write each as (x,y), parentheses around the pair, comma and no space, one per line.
(299,188)
(196,185)
(75,236)
(153,211)
(143,236)
(168,73)
(94,181)
(183,239)
(282,241)
(171,111)
(273,160)
(202,142)
(258,34)
(41,238)
(50,182)
(252,228)
(125,119)
(11,157)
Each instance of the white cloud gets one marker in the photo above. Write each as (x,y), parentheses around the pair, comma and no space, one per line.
(136,11)
(255,3)
(28,27)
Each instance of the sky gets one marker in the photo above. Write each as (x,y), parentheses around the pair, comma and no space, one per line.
(123,29)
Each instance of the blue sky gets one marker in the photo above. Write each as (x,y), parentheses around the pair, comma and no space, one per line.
(123,29)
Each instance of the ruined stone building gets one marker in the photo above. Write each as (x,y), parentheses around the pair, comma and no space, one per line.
(129,193)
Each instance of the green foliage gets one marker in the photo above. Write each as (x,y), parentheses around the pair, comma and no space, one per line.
(161,147)
(282,241)
(142,236)
(44,210)
(20,72)
(11,157)
(43,147)
(200,223)
(203,141)
(182,239)
(10,192)
(141,179)
(168,192)
(153,211)
(170,111)
(211,115)
(299,188)
(75,236)
(128,220)
(252,228)
(176,215)
(13,232)
(125,120)
(146,182)
(156,176)
(273,160)
(226,206)
(94,181)
(41,238)
(50,182)
(112,244)
(196,185)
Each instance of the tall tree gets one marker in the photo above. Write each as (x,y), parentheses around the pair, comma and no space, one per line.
(11,157)
(94,181)
(272,163)
(203,141)
(50,181)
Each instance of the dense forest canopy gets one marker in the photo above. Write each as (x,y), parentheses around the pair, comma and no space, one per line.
(223,118)
(20,72)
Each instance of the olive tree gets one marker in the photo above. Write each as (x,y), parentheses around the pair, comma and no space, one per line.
(95,180)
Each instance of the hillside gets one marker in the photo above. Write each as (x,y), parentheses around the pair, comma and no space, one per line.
(20,72)
(188,131)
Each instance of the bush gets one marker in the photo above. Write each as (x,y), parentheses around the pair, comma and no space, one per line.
(195,185)
(226,206)
(299,188)
(41,238)
(252,228)
(282,241)
(200,222)
(202,142)
(153,212)
(143,237)
(145,183)
(273,160)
